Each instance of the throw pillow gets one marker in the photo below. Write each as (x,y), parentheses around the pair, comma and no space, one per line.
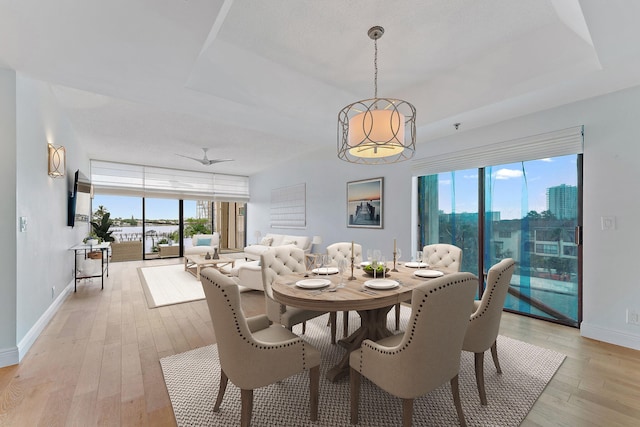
(204,242)
(266,241)
(290,242)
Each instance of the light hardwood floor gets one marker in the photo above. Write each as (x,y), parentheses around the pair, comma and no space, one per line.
(96,363)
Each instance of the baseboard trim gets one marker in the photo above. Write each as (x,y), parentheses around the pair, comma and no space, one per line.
(25,343)
(610,336)
(8,357)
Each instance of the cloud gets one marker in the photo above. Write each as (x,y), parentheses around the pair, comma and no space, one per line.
(547,160)
(475,176)
(508,174)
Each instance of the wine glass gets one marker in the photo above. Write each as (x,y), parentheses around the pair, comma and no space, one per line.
(342,267)
(374,266)
(419,258)
(369,255)
(318,261)
(383,262)
(377,254)
(327,262)
(398,255)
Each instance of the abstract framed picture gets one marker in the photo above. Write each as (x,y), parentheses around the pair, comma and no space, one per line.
(364,203)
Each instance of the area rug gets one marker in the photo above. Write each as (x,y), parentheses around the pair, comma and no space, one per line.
(192,379)
(169,284)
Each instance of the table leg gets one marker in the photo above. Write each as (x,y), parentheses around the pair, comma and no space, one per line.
(373,327)
(198,271)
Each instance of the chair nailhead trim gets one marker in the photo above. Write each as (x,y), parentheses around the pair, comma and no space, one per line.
(248,339)
(413,325)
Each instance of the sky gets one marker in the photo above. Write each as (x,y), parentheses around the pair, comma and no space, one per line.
(509,184)
(125,207)
(507,180)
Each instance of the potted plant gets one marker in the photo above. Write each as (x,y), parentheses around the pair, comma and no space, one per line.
(101,229)
(91,240)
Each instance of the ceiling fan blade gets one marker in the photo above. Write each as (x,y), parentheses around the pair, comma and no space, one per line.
(214,161)
(202,161)
(187,157)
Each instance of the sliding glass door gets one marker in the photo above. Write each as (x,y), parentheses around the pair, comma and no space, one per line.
(161,228)
(528,211)
(532,216)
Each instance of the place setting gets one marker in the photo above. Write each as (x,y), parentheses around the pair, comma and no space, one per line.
(422,268)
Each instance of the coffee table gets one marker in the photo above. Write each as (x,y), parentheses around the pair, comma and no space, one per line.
(199,262)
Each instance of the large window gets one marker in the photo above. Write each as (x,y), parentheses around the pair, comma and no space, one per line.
(449,213)
(528,211)
(165,226)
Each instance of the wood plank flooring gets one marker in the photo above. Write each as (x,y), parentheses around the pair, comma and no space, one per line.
(97,363)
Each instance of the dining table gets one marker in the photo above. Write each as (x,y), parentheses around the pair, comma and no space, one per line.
(370,297)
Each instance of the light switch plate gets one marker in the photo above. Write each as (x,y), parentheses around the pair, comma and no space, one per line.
(608,222)
(23,224)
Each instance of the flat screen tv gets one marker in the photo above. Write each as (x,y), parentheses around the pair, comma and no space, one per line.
(79,200)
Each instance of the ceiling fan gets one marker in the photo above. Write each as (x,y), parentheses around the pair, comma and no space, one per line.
(205,160)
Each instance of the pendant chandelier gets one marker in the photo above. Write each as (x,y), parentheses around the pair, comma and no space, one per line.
(378,130)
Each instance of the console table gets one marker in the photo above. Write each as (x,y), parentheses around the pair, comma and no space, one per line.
(87,249)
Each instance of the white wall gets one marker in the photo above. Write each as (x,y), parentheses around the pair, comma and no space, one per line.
(611,165)
(326,180)
(8,226)
(44,258)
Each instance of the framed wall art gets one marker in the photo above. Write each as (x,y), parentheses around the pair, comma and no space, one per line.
(365,203)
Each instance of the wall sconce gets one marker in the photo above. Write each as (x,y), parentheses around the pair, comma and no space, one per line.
(57,161)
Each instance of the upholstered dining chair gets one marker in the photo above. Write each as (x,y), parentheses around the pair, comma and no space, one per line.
(427,354)
(252,352)
(484,322)
(438,255)
(442,255)
(337,252)
(342,250)
(278,261)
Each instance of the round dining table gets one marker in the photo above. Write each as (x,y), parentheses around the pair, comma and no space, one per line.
(372,304)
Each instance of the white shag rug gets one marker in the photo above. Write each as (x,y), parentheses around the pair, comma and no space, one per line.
(192,380)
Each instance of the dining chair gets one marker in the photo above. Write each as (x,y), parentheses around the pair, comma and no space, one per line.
(252,352)
(337,252)
(484,322)
(438,255)
(278,261)
(427,354)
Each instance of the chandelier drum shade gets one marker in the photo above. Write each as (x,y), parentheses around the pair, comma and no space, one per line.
(377,130)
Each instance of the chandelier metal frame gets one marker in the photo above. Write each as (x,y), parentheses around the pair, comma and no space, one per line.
(398,141)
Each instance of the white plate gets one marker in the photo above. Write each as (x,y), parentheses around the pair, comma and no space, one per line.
(325,270)
(414,264)
(365,263)
(381,284)
(429,274)
(313,283)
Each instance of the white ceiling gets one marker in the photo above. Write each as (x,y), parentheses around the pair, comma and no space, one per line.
(263,81)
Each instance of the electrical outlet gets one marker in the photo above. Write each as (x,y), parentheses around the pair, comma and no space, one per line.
(633,317)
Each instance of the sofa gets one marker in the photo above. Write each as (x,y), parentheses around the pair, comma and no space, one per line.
(253,252)
(203,243)
(247,274)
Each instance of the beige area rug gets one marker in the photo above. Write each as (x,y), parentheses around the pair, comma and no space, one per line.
(192,379)
(171,284)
